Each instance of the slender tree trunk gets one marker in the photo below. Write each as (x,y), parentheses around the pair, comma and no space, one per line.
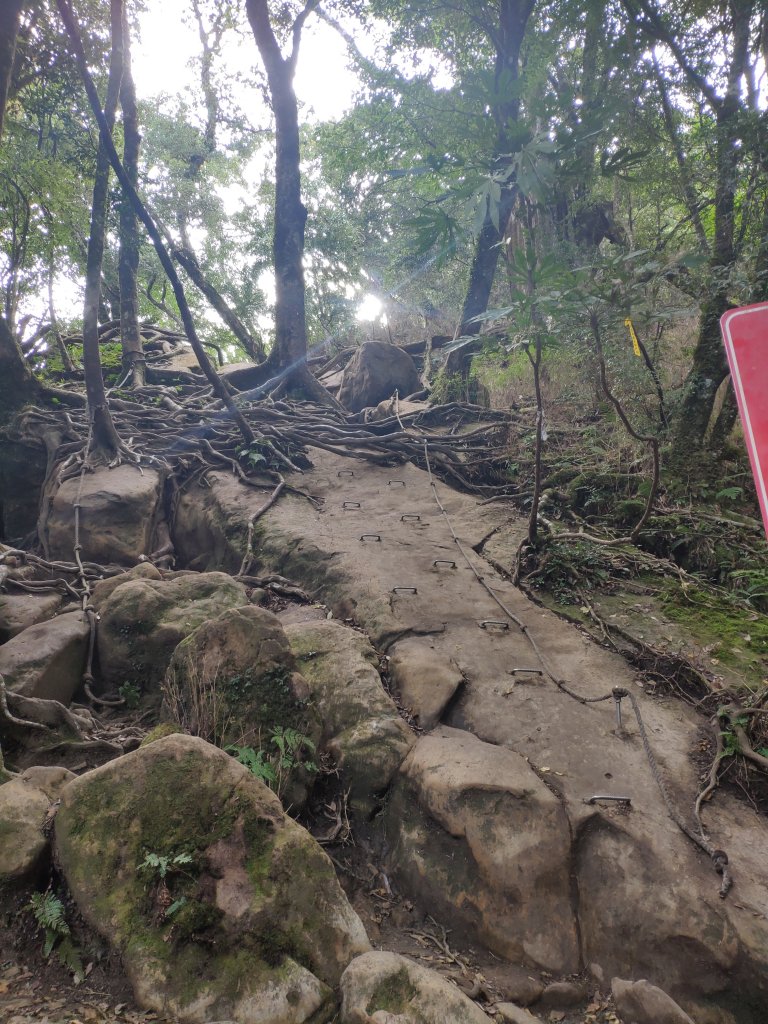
(130,334)
(252,345)
(105,437)
(289,354)
(17,385)
(9,29)
(710,365)
(508,39)
(218,386)
(691,201)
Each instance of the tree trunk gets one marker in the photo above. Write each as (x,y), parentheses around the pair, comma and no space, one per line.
(9,29)
(17,385)
(710,365)
(217,384)
(105,437)
(130,336)
(508,39)
(289,354)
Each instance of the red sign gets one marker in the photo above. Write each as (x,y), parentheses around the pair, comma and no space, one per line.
(745,333)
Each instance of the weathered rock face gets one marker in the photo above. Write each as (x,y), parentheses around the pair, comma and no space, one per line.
(47,660)
(508,1013)
(361,725)
(639,1002)
(232,681)
(669,924)
(687,945)
(19,611)
(425,678)
(143,620)
(23,467)
(24,802)
(102,590)
(384,988)
(22,844)
(475,835)
(374,372)
(264,931)
(118,514)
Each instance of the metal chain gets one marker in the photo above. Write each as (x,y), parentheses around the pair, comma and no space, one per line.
(719,857)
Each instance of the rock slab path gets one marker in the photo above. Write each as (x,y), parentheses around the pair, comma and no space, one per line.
(642,900)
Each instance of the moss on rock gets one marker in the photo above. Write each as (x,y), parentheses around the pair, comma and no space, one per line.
(259,914)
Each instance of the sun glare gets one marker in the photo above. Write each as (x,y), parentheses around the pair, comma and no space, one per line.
(370,309)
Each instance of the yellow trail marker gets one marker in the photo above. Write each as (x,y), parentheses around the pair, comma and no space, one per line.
(635,343)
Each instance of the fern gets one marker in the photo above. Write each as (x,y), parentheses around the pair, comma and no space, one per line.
(48,911)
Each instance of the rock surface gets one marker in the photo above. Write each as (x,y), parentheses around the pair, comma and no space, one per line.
(19,611)
(374,372)
(379,988)
(233,681)
(487,845)
(425,679)
(118,514)
(508,1013)
(104,588)
(679,934)
(639,1002)
(23,808)
(47,660)
(264,931)
(361,725)
(142,622)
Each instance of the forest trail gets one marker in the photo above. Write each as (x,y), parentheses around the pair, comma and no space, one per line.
(644,899)
(495,827)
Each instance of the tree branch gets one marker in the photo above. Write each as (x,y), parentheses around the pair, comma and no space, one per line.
(219,388)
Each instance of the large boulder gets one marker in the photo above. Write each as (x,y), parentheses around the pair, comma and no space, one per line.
(232,681)
(47,660)
(119,508)
(361,725)
(104,588)
(248,924)
(19,611)
(477,837)
(385,988)
(143,620)
(22,843)
(24,803)
(639,1002)
(374,372)
(425,678)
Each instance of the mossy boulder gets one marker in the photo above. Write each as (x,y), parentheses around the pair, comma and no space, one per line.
(233,682)
(248,924)
(142,622)
(388,987)
(102,590)
(361,725)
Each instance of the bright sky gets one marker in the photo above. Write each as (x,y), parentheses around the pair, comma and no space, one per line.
(323,82)
(164,62)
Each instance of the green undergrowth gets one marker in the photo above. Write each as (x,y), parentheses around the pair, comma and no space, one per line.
(735,635)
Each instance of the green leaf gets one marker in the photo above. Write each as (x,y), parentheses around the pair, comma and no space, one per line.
(176,906)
